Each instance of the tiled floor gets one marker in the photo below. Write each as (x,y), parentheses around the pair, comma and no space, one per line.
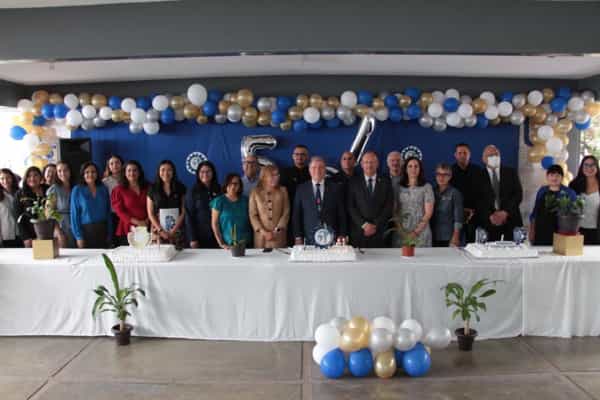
(96,369)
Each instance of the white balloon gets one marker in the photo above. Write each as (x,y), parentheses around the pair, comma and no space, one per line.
(380,340)
(435,110)
(563,156)
(414,326)
(348,98)
(71,101)
(179,114)
(339,323)
(535,98)
(545,132)
(438,97)
(196,93)
(74,118)
(31,140)
(105,113)
(328,335)
(489,97)
(466,99)
(554,146)
(160,102)
(405,339)
(581,117)
(465,110)
(138,116)
(151,128)
(311,115)
(319,352)
(128,104)
(452,93)
(25,105)
(588,96)
(381,114)
(491,112)
(88,111)
(575,104)
(385,323)
(453,119)
(505,108)
(438,338)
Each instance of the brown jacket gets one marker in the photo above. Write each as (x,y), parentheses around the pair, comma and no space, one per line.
(269,210)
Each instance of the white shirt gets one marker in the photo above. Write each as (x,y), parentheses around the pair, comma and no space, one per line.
(491,174)
(321,189)
(8,225)
(590,210)
(374,180)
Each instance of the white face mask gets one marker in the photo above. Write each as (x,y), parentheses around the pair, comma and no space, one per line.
(493,161)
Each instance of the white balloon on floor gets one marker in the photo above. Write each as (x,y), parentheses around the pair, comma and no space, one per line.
(385,323)
(438,338)
(414,326)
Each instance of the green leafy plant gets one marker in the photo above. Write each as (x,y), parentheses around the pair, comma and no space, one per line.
(234,240)
(563,205)
(120,300)
(468,304)
(41,209)
(406,238)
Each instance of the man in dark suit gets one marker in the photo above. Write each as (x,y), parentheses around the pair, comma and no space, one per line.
(370,203)
(292,177)
(318,202)
(497,210)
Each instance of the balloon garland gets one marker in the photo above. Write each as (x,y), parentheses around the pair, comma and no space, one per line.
(551,115)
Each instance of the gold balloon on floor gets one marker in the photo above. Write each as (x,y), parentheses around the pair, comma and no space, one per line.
(55,98)
(264,118)
(177,102)
(286,126)
(295,113)
(479,106)
(564,126)
(245,97)
(302,101)
(385,364)
(315,100)
(548,95)
(223,106)
(528,110)
(536,153)
(353,339)
(191,111)
(360,323)
(333,102)
(99,100)
(40,96)
(85,99)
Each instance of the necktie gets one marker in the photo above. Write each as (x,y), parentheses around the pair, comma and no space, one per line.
(370,186)
(318,197)
(496,187)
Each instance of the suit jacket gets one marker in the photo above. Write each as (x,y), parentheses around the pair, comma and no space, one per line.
(511,195)
(306,217)
(269,210)
(376,209)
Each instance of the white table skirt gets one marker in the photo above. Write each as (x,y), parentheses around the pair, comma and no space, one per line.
(206,294)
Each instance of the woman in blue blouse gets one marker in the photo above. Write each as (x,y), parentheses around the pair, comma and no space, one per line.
(91,221)
(229,210)
(543,222)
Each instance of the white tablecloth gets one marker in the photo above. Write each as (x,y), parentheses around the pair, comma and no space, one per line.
(207,294)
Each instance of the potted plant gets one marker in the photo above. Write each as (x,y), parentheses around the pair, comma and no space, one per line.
(569,212)
(42,214)
(467,305)
(118,302)
(238,247)
(406,239)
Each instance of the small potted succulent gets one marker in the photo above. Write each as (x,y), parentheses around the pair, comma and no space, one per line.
(467,304)
(408,245)
(569,212)
(238,247)
(43,215)
(118,302)
(407,241)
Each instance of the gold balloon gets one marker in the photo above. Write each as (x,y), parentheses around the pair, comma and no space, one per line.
(126,117)
(385,364)
(117,115)
(177,102)
(250,113)
(564,166)
(528,110)
(99,100)
(40,96)
(564,126)
(592,108)
(37,130)
(55,98)
(361,110)
(85,99)
(315,100)
(37,161)
(41,150)
(28,128)
(223,106)
(191,111)
(333,102)
(479,106)
(404,100)
(286,126)
(495,121)
(534,138)
(353,339)
(360,323)
(264,118)
(568,178)
(36,110)
(201,119)
(536,153)
(249,122)
(295,113)
(233,98)
(426,99)
(548,95)
(564,138)
(302,101)
(540,115)
(26,117)
(378,103)
(245,97)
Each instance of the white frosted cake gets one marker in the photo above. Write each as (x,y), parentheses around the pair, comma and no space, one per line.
(146,255)
(314,254)
(501,250)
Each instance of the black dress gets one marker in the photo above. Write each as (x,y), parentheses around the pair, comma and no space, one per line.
(198,216)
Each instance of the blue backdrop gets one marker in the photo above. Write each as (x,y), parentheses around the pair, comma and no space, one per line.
(221,144)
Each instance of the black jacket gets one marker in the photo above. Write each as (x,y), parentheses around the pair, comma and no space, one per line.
(511,195)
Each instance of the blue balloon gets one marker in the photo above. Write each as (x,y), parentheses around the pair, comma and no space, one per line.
(365,97)
(547,162)
(48,111)
(413,93)
(558,104)
(416,362)
(215,95)
(399,356)
(39,120)
(451,104)
(564,92)
(143,102)
(299,125)
(278,116)
(333,363)
(17,132)
(395,114)
(360,363)
(413,111)
(482,121)
(114,102)
(60,111)
(316,125)
(283,103)
(506,96)
(333,122)
(210,108)
(585,125)
(167,116)
(390,101)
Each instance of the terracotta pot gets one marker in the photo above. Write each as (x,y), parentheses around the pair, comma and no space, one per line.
(239,250)
(123,338)
(408,251)
(44,230)
(465,342)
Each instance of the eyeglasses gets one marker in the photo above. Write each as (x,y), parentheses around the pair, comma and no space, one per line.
(589,165)
(443,174)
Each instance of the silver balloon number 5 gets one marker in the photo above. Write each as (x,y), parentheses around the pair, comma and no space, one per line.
(251,144)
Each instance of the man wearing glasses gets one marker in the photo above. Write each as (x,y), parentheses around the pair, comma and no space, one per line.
(250,177)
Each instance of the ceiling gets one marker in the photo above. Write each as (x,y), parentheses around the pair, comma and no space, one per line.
(546,67)
(65,3)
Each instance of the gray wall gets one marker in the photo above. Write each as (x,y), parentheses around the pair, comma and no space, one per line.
(10,93)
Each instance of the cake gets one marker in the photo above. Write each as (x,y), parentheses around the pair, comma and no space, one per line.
(501,250)
(146,255)
(331,254)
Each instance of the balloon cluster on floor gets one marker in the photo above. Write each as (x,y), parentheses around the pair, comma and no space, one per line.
(380,347)
(551,114)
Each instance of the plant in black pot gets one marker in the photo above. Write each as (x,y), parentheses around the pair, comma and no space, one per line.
(569,212)
(238,247)
(118,302)
(43,215)
(467,304)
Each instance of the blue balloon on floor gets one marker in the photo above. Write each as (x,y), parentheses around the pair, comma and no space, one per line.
(399,355)
(416,362)
(316,125)
(547,162)
(333,364)
(360,363)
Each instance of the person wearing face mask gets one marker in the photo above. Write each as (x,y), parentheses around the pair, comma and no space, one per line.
(497,210)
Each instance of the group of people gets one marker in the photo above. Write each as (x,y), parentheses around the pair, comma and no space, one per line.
(269,207)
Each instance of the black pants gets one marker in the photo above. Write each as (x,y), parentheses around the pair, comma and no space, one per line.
(590,236)
(441,243)
(95,235)
(12,244)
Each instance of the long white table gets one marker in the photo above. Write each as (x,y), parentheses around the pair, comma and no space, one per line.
(207,294)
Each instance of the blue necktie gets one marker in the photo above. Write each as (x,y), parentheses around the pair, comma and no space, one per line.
(318,197)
